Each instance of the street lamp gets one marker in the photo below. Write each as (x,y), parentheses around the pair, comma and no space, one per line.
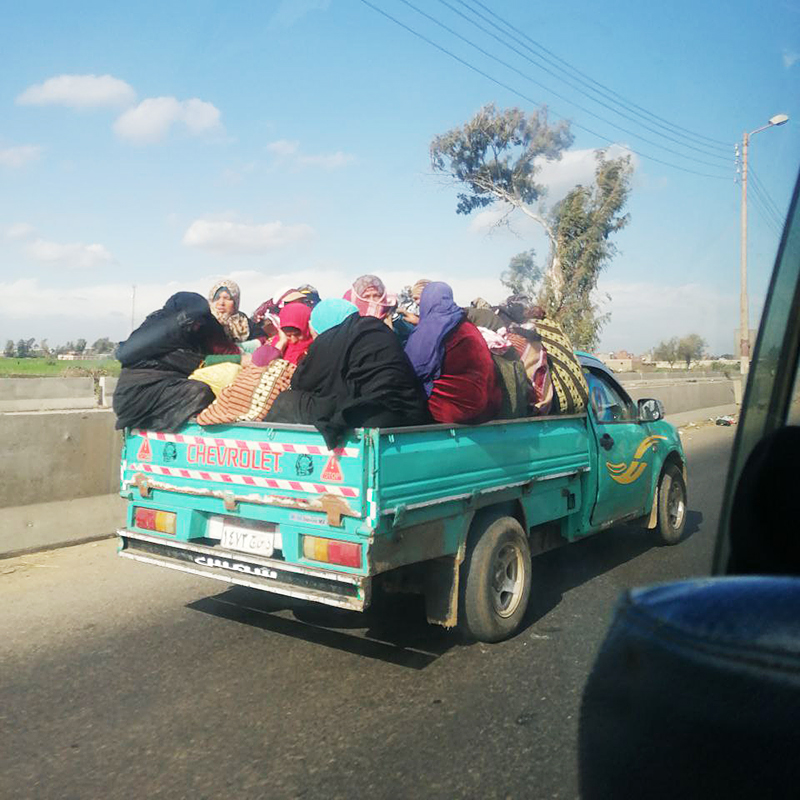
(744,322)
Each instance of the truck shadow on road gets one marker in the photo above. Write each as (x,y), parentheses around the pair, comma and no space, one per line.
(394,630)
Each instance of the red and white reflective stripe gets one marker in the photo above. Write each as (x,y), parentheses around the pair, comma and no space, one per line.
(247,480)
(241,444)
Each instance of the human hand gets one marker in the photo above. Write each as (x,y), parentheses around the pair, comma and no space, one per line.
(408,316)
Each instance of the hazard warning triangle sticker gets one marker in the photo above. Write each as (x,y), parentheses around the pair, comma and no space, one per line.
(332,471)
(145,453)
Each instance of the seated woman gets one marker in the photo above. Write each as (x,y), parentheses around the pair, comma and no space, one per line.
(354,375)
(370,297)
(235,327)
(154,390)
(452,360)
(293,338)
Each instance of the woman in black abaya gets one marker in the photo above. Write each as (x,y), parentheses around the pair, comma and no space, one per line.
(154,391)
(355,374)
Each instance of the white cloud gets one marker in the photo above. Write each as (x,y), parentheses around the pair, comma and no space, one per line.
(644,313)
(283,148)
(20,230)
(286,150)
(332,161)
(790,58)
(19,156)
(575,168)
(152,119)
(73,255)
(225,236)
(79,91)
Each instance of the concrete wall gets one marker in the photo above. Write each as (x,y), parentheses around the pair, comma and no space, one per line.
(60,476)
(41,394)
(679,397)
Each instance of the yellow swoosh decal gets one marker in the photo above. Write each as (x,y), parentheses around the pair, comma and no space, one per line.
(628,473)
(645,443)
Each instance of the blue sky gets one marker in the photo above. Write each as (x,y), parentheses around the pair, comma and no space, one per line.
(164,145)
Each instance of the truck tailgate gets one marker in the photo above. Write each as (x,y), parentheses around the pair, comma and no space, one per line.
(287,467)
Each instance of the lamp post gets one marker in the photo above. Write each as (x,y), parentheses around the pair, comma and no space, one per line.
(744,321)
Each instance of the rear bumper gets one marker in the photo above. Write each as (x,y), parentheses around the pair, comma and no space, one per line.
(243,569)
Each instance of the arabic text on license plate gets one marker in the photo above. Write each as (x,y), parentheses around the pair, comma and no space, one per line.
(246,540)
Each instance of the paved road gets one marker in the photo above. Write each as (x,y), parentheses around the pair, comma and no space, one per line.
(120,680)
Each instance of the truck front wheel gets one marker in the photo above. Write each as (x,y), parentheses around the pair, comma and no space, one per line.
(495,581)
(671,506)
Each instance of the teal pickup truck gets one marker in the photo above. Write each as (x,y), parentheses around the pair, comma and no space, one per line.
(452,512)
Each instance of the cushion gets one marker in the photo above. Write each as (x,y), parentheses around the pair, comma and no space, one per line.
(250,396)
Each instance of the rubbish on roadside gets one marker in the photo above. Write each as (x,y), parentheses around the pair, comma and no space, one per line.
(726,420)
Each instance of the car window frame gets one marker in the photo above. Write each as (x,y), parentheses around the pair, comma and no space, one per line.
(773,371)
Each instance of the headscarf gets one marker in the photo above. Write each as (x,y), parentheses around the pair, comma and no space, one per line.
(370,308)
(232,288)
(295,315)
(330,313)
(438,316)
(236,324)
(419,286)
(184,323)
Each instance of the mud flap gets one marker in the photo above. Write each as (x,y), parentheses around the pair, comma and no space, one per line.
(441,591)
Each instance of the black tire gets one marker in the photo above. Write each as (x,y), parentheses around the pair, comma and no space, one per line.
(495,580)
(671,506)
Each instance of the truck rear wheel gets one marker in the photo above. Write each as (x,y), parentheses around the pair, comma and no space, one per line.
(671,506)
(495,581)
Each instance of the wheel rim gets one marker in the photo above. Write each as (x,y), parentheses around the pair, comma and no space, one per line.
(507,580)
(676,505)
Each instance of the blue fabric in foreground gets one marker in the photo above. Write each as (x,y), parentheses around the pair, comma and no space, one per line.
(696,693)
(438,316)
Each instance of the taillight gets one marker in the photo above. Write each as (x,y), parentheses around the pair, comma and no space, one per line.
(151,519)
(347,554)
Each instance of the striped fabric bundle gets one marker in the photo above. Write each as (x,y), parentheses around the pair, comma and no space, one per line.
(565,370)
(250,396)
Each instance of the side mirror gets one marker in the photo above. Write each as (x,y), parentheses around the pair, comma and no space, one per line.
(650,410)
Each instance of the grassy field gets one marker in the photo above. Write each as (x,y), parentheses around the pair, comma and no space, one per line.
(46,367)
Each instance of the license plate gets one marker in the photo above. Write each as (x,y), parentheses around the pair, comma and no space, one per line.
(248,540)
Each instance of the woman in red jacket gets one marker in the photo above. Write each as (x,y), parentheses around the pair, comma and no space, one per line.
(451,358)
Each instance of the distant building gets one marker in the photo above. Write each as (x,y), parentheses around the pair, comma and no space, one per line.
(621,361)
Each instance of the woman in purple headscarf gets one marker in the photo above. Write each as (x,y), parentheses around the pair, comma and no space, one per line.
(451,358)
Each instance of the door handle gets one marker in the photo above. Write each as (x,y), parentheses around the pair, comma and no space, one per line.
(606,442)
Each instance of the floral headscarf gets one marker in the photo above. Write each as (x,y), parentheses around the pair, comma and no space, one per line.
(235,323)
(370,308)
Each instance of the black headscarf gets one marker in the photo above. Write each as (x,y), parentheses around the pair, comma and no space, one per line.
(354,375)
(153,391)
(184,324)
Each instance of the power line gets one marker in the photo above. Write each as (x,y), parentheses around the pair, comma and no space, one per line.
(529,99)
(583,75)
(760,200)
(766,194)
(552,91)
(768,221)
(711,151)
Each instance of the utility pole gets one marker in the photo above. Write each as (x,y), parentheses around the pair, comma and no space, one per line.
(744,321)
(744,317)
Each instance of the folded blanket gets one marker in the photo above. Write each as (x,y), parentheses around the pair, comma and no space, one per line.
(250,396)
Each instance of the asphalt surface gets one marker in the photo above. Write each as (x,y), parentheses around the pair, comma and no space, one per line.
(121,680)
